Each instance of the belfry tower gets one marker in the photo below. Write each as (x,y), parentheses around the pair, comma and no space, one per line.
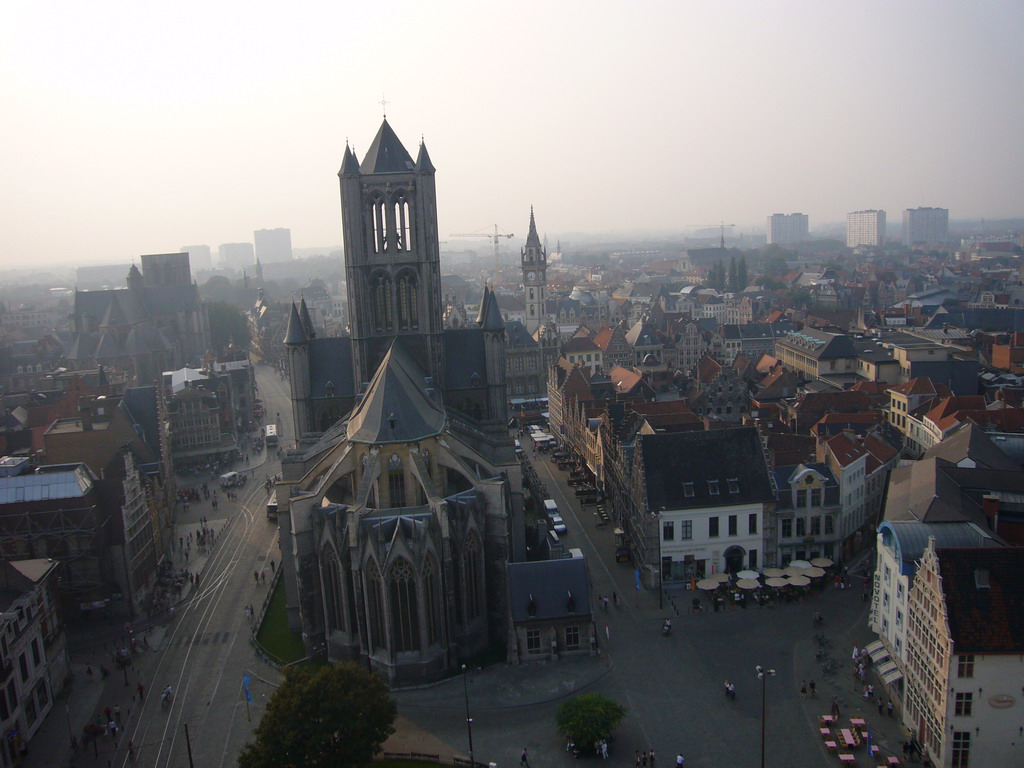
(534,261)
(392,261)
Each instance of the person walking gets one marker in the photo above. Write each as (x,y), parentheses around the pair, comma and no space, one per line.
(889,708)
(524,759)
(803,689)
(273,568)
(117,713)
(680,760)
(256,577)
(142,690)
(814,690)
(263,577)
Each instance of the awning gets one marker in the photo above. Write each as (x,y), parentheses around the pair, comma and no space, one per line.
(877,651)
(886,668)
(891,676)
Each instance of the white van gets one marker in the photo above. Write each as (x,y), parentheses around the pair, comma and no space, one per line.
(550,507)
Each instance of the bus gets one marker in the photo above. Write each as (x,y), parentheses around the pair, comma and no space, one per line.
(272,506)
(270,433)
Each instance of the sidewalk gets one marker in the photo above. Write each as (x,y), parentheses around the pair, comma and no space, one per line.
(93,645)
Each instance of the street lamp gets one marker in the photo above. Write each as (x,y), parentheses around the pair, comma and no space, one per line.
(763,674)
(469,720)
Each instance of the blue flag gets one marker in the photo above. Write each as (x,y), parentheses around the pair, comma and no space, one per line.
(245,684)
(636,575)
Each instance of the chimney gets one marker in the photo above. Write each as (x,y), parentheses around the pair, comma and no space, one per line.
(990,506)
(85,416)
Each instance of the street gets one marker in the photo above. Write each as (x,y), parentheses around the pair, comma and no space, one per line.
(202,651)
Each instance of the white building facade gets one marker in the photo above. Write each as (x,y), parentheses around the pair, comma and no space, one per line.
(865,228)
(786,228)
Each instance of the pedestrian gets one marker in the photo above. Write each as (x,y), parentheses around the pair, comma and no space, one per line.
(256,577)
(643,760)
(273,568)
(112,727)
(88,671)
(814,690)
(263,576)
(607,632)
(117,713)
(889,708)
(680,760)
(637,758)
(650,758)
(615,598)
(803,688)
(604,749)
(881,704)
(835,708)
(142,690)
(524,759)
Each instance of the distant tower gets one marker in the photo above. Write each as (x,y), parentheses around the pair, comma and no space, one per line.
(296,339)
(392,261)
(534,260)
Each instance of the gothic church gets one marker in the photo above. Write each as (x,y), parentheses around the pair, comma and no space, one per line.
(397,509)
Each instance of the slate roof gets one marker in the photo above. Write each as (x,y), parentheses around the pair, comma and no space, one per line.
(464,356)
(548,585)
(912,537)
(972,442)
(396,407)
(819,344)
(423,159)
(296,332)
(490,314)
(984,619)
(518,336)
(330,361)
(532,238)
(386,154)
(140,403)
(672,459)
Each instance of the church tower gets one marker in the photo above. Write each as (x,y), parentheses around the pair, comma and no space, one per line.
(392,260)
(535,266)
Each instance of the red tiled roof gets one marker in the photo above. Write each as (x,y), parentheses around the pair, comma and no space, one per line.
(870,387)
(844,451)
(919,386)
(984,592)
(623,379)
(603,337)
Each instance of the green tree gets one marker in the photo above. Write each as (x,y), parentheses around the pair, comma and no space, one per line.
(589,718)
(741,273)
(333,716)
(227,324)
(732,274)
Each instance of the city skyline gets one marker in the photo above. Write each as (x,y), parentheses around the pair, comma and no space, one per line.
(135,130)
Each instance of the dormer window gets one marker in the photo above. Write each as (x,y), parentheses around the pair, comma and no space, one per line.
(570,604)
(531,607)
(713,487)
(734,484)
(688,490)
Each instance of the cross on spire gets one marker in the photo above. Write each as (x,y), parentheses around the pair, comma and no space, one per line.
(384,106)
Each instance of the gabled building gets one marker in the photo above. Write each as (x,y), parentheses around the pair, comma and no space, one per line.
(808,512)
(709,497)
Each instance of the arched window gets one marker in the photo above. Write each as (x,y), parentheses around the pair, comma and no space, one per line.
(396,481)
(432,601)
(408,302)
(377,225)
(471,566)
(334,610)
(404,610)
(374,607)
(383,317)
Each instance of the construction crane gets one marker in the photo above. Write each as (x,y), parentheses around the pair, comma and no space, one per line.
(721,224)
(497,254)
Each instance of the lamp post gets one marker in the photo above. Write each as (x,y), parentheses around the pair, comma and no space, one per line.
(763,674)
(469,720)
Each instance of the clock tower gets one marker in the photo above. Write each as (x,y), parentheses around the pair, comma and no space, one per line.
(535,266)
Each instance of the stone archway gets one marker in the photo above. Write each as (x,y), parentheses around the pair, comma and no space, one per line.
(734,559)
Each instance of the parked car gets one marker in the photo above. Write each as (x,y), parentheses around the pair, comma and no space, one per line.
(558,524)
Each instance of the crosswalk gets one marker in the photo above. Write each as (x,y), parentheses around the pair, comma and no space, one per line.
(203,638)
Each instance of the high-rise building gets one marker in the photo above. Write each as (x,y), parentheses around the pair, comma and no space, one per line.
(273,245)
(199,256)
(925,226)
(865,228)
(787,228)
(236,255)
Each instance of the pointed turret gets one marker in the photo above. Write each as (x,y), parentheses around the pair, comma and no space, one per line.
(307,321)
(489,317)
(349,163)
(386,155)
(296,333)
(423,163)
(532,238)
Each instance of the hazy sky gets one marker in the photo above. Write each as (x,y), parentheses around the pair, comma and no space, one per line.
(134,128)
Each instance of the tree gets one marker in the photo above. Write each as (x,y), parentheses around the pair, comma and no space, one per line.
(741,273)
(589,718)
(732,274)
(336,716)
(227,324)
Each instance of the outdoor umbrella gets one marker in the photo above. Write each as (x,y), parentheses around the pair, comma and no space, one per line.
(708,584)
(721,578)
(747,574)
(774,573)
(748,584)
(821,562)
(814,573)
(799,581)
(793,571)
(775,581)
(800,564)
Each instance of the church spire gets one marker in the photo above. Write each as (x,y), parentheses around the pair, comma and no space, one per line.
(532,238)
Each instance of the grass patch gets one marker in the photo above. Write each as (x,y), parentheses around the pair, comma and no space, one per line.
(274,636)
